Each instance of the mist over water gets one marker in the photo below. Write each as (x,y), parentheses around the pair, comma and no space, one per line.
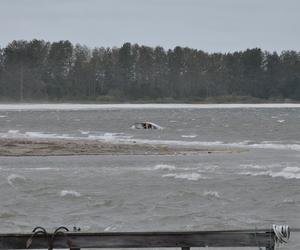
(255,188)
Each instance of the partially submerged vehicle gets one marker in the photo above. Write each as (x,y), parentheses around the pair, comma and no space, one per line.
(146,125)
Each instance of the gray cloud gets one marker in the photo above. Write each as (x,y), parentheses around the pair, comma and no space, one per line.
(211,25)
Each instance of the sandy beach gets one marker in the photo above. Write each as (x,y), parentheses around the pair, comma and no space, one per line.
(56,147)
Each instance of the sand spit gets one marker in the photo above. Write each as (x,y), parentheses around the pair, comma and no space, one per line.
(55,147)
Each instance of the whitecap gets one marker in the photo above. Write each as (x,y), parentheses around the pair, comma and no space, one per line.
(15,178)
(13,131)
(281,121)
(3,116)
(69,193)
(289,201)
(84,132)
(286,173)
(42,169)
(292,169)
(211,194)
(189,136)
(164,167)
(253,166)
(45,135)
(187,176)
(210,168)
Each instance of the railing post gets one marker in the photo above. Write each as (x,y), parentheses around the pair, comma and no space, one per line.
(185,248)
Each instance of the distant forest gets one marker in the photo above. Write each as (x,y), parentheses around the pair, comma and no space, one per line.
(60,71)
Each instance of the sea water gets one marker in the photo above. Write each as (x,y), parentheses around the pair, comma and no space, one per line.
(251,189)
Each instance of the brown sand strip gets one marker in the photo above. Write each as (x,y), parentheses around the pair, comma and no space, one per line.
(55,147)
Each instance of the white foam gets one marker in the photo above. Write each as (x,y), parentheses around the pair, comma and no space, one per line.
(112,228)
(253,166)
(281,121)
(123,138)
(210,168)
(42,169)
(164,167)
(71,106)
(3,116)
(210,193)
(13,131)
(242,144)
(13,178)
(189,136)
(84,132)
(17,134)
(289,201)
(286,173)
(69,193)
(187,176)
(45,135)
(110,137)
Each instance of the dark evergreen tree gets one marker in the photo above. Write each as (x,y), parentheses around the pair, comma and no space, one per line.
(58,68)
(38,70)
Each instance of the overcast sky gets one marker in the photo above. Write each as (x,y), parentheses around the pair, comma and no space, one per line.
(210,25)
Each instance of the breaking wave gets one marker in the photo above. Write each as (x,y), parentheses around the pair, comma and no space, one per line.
(281,121)
(164,167)
(127,138)
(187,176)
(211,194)
(69,193)
(286,173)
(189,136)
(15,179)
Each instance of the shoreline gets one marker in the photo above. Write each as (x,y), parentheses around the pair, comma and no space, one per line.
(72,147)
(123,106)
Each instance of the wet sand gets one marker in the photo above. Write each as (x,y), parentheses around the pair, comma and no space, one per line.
(56,147)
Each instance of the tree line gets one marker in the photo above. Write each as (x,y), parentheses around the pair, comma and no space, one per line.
(60,71)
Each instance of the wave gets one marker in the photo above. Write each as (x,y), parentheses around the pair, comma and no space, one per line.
(211,194)
(41,169)
(281,121)
(187,176)
(13,131)
(254,166)
(84,132)
(125,138)
(7,215)
(110,137)
(44,135)
(15,179)
(286,173)
(189,136)
(71,106)
(164,167)
(3,116)
(208,169)
(69,193)
(243,144)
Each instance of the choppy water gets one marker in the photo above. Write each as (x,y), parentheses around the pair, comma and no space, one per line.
(255,188)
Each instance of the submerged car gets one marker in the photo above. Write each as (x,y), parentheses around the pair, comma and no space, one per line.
(146,125)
